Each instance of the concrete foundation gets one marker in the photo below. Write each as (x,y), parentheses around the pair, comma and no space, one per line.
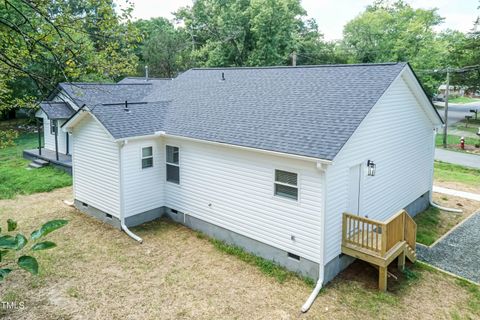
(419,205)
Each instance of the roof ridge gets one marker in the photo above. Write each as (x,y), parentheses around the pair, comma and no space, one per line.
(305,66)
(103,84)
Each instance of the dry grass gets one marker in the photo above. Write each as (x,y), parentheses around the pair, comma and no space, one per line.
(434,223)
(99,273)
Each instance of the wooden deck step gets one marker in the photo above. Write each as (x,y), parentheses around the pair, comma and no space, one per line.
(410,253)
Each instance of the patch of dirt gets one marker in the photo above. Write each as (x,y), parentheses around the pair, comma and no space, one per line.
(97,272)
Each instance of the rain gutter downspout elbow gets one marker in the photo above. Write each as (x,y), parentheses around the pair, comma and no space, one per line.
(122,198)
(322,167)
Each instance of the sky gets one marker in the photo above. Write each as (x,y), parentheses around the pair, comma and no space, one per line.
(332,15)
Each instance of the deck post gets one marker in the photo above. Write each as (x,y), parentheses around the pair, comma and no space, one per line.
(382,278)
(56,139)
(39,137)
(68,142)
(401,261)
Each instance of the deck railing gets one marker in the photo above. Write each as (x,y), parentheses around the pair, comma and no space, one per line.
(410,231)
(378,236)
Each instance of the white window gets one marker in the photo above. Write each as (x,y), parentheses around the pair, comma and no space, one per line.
(173,167)
(53,126)
(286,184)
(147,157)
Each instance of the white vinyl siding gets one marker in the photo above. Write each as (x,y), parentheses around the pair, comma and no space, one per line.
(234,189)
(96,167)
(398,136)
(49,138)
(142,189)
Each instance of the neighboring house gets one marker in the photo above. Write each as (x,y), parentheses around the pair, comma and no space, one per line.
(268,159)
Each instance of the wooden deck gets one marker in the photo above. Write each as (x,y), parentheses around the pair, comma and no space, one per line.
(64,161)
(380,242)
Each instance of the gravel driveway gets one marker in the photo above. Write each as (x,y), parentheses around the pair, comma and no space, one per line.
(458,252)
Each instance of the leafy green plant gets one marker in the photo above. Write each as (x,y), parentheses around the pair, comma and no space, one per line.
(15,250)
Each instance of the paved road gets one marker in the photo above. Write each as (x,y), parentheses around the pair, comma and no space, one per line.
(458,252)
(463,159)
(457,112)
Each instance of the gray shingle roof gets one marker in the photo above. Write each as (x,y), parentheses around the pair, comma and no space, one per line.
(310,110)
(142,118)
(56,110)
(95,93)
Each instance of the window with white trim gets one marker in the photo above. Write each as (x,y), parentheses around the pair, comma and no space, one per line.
(147,157)
(173,164)
(53,126)
(286,184)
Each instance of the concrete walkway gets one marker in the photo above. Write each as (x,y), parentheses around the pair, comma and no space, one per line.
(463,159)
(462,194)
(457,252)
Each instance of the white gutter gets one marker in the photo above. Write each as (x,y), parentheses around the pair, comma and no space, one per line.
(321,267)
(430,197)
(122,198)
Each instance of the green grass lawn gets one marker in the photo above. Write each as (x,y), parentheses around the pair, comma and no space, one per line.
(16,179)
(455,173)
(463,100)
(452,139)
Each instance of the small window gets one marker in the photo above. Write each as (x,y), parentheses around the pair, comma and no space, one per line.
(53,126)
(147,157)
(173,167)
(286,184)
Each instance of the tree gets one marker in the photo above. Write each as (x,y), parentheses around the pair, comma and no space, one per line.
(389,32)
(165,49)
(45,42)
(252,33)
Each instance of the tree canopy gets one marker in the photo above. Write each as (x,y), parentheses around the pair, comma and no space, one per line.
(45,42)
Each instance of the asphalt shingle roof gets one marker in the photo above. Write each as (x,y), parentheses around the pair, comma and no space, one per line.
(309,110)
(56,110)
(94,93)
(140,120)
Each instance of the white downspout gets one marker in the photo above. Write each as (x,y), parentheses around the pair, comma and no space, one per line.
(433,204)
(122,198)
(321,268)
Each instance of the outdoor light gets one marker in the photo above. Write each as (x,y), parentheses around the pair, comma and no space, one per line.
(371,168)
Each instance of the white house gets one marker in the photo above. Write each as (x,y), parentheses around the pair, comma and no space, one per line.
(268,159)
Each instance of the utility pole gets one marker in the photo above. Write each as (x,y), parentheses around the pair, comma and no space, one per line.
(294,59)
(447,93)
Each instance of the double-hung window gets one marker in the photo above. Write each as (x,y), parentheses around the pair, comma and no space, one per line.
(173,164)
(147,157)
(286,184)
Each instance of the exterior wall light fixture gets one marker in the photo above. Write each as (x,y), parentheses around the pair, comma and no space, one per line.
(372,167)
